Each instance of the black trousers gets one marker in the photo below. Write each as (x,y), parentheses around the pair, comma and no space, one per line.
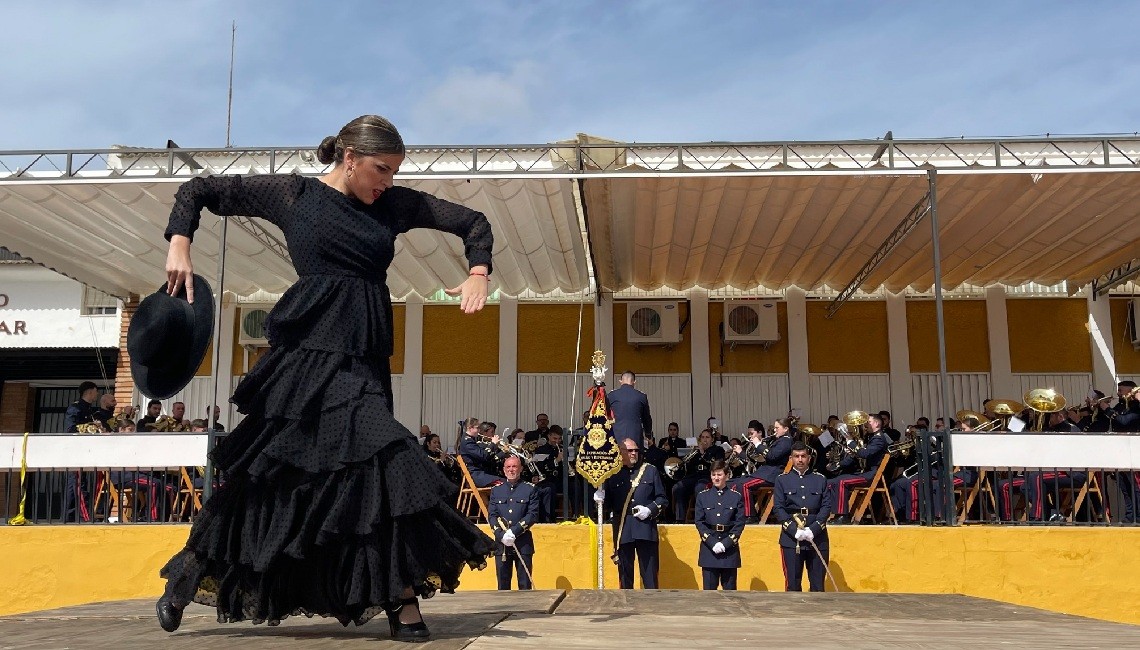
(505,568)
(647,562)
(794,567)
(714,578)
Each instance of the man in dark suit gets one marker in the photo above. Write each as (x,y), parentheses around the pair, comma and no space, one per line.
(631,410)
(635,498)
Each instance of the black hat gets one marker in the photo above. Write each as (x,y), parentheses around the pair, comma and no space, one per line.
(1127,383)
(168,337)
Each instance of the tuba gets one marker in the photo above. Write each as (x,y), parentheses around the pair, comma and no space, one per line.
(1004,409)
(976,420)
(1042,401)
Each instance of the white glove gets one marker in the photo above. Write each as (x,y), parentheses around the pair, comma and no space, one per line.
(807,534)
(508,538)
(718,547)
(641,512)
(799,534)
(600,495)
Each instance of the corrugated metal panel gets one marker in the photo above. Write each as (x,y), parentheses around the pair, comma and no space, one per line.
(838,394)
(197,397)
(553,394)
(670,400)
(1074,386)
(967,391)
(738,398)
(403,414)
(450,398)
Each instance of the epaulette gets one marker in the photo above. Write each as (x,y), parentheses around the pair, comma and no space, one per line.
(704,490)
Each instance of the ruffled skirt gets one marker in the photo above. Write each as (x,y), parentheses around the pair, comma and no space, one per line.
(328,505)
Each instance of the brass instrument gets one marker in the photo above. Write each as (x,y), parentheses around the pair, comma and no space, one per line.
(976,419)
(905,447)
(856,441)
(737,463)
(1044,400)
(1004,409)
(855,420)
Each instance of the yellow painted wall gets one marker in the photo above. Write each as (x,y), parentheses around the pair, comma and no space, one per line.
(967,338)
(458,343)
(1048,335)
(854,340)
(1127,359)
(399,321)
(650,358)
(747,357)
(548,336)
(1078,571)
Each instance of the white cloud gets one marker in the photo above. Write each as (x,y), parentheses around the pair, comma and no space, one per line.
(468,101)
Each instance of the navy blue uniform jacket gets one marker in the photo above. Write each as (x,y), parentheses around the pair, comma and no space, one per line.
(649,493)
(720,518)
(514,505)
(802,493)
(630,408)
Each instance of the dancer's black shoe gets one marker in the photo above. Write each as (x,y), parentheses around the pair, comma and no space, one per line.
(415,632)
(169,616)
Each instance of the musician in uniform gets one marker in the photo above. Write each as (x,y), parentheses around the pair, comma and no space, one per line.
(552,468)
(446,464)
(513,510)
(482,457)
(696,466)
(720,522)
(803,504)
(858,467)
(630,408)
(673,443)
(105,414)
(542,426)
(81,411)
(634,498)
(775,451)
(153,411)
(1126,411)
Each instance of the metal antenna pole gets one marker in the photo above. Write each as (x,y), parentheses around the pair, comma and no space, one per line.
(230,101)
(211,433)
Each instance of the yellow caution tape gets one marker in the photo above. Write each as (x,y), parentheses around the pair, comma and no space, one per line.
(19,519)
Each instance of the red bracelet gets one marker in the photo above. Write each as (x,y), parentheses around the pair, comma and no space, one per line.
(480,274)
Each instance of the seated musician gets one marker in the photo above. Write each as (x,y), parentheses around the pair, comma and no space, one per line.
(552,468)
(697,466)
(1094,416)
(904,490)
(857,468)
(777,449)
(1126,412)
(1041,487)
(673,443)
(446,463)
(483,456)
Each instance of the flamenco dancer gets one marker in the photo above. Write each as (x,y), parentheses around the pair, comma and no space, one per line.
(328,505)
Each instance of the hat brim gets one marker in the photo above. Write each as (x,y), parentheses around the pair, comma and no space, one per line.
(165,381)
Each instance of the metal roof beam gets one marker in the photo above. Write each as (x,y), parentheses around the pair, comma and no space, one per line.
(912,219)
(1116,277)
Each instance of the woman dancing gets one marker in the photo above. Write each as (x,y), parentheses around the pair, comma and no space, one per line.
(328,506)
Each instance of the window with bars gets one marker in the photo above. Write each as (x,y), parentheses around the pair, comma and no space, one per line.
(97,303)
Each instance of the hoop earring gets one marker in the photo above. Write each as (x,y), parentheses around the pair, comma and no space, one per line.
(348,173)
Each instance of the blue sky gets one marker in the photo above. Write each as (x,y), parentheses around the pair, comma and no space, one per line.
(92,74)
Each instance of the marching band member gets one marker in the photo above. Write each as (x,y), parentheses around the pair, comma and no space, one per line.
(513,509)
(697,468)
(482,459)
(552,467)
(673,442)
(1126,412)
(720,521)
(859,467)
(634,498)
(803,504)
(778,449)
(446,463)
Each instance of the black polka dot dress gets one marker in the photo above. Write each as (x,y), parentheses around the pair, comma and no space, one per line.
(329,507)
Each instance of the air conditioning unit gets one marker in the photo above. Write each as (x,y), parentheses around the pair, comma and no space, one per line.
(648,323)
(251,324)
(751,321)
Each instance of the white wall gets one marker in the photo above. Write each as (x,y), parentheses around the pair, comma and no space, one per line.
(48,304)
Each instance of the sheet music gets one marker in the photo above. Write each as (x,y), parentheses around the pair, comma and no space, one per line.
(826,438)
(1016,424)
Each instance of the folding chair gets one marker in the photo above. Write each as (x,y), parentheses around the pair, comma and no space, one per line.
(769,496)
(862,495)
(122,500)
(188,498)
(965,496)
(472,501)
(1077,496)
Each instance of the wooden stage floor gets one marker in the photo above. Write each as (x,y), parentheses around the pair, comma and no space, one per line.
(481,620)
